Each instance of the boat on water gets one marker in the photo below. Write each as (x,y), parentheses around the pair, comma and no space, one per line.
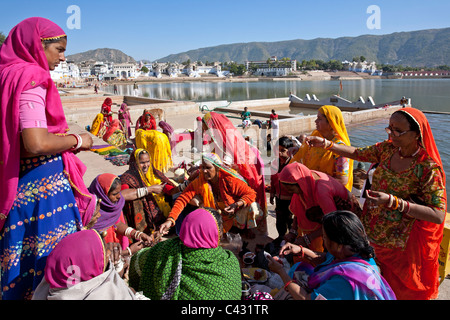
(311,101)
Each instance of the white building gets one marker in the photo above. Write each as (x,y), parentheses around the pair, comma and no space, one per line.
(126,70)
(364,66)
(65,70)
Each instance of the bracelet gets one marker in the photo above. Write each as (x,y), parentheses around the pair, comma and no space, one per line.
(401,206)
(302,254)
(330,146)
(396,203)
(172,220)
(391,201)
(128,231)
(408,210)
(287,284)
(138,235)
(142,192)
(129,251)
(79,141)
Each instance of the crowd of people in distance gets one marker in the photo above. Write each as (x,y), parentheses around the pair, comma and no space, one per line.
(143,236)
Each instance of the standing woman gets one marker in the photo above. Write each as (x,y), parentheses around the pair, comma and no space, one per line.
(125,119)
(43,196)
(106,111)
(405,208)
(329,125)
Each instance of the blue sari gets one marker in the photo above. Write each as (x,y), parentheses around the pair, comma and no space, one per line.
(350,279)
(43,213)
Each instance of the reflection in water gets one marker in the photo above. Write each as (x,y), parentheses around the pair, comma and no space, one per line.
(431,94)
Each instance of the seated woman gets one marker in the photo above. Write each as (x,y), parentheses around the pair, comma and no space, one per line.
(220,188)
(192,266)
(111,223)
(314,194)
(158,147)
(228,141)
(146,121)
(114,134)
(347,271)
(80,268)
(142,213)
(330,125)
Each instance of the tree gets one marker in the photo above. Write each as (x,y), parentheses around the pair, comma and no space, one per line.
(144,69)
(362,59)
(2,38)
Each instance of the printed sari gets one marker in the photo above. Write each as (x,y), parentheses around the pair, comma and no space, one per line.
(324,160)
(229,142)
(142,214)
(407,249)
(232,188)
(362,277)
(321,193)
(190,267)
(43,198)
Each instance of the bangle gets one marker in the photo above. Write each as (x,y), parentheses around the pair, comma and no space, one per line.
(128,231)
(408,209)
(396,203)
(330,146)
(79,141)
(287,284)
(302,253)
(391,200)
(401,206)
(171,220)
(129,251)
(138,235)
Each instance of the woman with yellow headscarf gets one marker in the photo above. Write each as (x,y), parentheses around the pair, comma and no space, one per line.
(158,146)
(329,125)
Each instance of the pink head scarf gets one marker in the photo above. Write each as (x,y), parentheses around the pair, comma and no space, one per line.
(200,230)
(78,257)
(23,65)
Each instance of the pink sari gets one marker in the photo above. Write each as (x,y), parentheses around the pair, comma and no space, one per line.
(229,142)
(23,65)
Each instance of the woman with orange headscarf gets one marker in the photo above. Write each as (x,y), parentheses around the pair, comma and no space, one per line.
(405,209)
(233,149)
(329,125)
(220,188)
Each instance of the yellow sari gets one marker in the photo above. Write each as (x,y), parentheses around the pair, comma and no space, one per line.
(158,146)
(150,179)
(323,160)
(97,124)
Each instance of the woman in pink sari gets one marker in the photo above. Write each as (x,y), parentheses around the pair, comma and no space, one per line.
(125,118)
(227,141)
(43,196)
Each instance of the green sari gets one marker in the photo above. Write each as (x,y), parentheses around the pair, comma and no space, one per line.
(172,271)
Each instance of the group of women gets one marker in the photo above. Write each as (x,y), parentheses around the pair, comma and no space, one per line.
(404,211)
(60,239)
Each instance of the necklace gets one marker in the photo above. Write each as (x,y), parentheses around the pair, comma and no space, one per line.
(411,156)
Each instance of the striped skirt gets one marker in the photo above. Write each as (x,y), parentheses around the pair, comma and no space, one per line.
(43,213)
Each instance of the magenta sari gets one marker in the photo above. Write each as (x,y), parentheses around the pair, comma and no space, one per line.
(23,65)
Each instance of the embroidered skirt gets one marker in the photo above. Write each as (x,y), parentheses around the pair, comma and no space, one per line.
(43,213)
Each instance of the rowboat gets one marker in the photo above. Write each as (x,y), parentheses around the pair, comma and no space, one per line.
(311,101)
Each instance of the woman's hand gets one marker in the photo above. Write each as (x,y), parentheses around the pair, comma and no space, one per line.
(314,141)
(157,188)
(165,227)
(231,209)
(88,142)
(289,248)
(377,198)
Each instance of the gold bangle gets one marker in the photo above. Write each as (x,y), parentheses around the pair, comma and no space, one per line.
(330,146)
(172,220)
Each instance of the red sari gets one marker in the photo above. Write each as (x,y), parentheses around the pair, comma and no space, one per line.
(106,109)
(407,249)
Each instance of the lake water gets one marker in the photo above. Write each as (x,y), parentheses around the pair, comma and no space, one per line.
(429,94)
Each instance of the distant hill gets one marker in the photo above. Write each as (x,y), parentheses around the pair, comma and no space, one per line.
(105,55)
(424,48)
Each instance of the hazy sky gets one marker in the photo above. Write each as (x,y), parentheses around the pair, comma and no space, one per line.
(153,29)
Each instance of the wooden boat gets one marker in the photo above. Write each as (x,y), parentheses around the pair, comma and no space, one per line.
(342,103)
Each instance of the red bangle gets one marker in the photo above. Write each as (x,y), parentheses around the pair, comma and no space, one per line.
(286,285)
